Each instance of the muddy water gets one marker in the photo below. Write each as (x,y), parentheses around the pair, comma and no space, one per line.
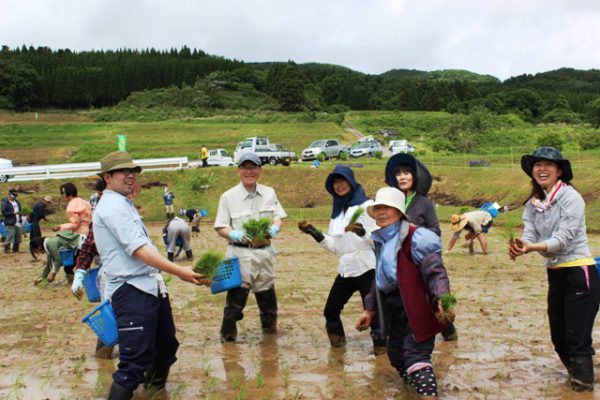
(503,351)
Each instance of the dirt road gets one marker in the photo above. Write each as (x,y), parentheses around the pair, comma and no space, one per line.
(503,351)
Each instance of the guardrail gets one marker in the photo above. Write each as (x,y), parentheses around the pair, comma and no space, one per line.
(63,171)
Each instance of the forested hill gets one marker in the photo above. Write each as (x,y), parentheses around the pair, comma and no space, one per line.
(189,78)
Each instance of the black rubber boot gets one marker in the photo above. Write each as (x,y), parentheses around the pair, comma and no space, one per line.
(170,256)
(424,382)
(234,305)
(70,278)
(582,373)
(267,304)
(156,379)
(335,333)
(450,334)
(7,248)
(188,255)
(379,343)
(15,247)
(118,392)
(565,360)
(168,216)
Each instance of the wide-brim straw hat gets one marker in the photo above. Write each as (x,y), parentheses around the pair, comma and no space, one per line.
(48,199)
(549,154)
(457,222)
(117,160)
(388,196)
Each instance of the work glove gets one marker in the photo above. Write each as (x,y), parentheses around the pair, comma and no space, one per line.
(273,230)
(356,228)
(238,236)
(77,285)
(311,230)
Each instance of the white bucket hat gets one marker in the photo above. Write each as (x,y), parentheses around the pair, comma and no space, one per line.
(388,196)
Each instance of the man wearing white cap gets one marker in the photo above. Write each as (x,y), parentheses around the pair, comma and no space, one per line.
(245,201)
(410,280)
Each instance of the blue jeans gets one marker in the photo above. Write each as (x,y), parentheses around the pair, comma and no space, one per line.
(146,334)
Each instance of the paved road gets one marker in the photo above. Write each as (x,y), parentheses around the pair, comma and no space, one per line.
(350,128)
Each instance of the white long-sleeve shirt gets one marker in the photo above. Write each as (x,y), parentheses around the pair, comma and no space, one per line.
(355,253)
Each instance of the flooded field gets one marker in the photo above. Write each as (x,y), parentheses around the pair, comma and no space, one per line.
(503,351)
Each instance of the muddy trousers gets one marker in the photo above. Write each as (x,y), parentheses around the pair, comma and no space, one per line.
(147,342)
(573,296)
(341,291)
(402,349)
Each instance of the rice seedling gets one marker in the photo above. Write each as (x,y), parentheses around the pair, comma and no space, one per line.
(508,233)
(260,380)
(359,211)
(208,263)
(258,231)
(447,301)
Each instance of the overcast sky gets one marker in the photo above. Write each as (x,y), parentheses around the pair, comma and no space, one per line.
(498,37)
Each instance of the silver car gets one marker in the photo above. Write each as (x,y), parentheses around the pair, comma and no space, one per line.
(329,147)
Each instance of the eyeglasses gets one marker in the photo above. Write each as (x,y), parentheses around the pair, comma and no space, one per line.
(249,167)
(127,171)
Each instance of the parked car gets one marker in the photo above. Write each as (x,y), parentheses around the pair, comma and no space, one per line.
(219,158)
(5,164)
(329,147)
(401,146)
(365,148)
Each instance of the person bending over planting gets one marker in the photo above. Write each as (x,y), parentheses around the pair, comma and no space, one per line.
(411,295)
(176,235)
(64,240)
(134,284)
(349,237)
(476,223)
(249,203)
(554,219)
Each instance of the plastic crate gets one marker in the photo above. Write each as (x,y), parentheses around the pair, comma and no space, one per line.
(91,285)
(68,257)
(103,322)
(227,276)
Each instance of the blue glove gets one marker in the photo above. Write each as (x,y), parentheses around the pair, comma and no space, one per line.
(237,236)
(273,230)
(77,285)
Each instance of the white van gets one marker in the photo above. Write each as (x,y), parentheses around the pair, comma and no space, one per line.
(401,146)
(5,164)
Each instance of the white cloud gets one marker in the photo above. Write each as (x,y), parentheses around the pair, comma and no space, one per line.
(498,37)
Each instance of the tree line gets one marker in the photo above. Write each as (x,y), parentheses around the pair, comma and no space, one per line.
(32,78)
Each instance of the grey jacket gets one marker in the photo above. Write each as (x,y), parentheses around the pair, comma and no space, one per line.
(561,227)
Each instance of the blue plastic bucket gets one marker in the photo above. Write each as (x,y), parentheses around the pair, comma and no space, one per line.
(2,229)
(597,259)
(68,257)
(204,213)
(91,286)
(489,207)
(227,276)
(103,322)
(26,227)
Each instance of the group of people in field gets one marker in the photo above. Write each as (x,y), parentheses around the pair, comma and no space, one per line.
(389,250)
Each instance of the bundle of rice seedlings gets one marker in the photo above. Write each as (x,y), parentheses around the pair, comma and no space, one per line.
(208,263)
(508,233)
(258,231)
(447,301)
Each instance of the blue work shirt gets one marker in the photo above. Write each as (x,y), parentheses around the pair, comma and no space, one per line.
(119,232)
(423,242)
(385,274)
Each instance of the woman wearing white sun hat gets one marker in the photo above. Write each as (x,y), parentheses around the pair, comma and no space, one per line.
(410,279)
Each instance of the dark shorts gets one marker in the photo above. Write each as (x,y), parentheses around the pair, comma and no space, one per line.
(486,228)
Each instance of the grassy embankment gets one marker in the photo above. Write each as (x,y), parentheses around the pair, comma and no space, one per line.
(300,188)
